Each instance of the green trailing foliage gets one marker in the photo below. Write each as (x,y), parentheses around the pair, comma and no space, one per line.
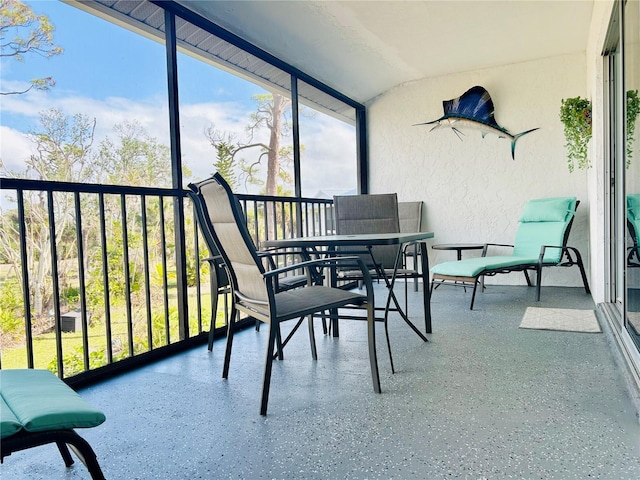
(633,110)
(575,114)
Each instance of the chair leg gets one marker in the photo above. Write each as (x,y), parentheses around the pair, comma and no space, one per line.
(274,328)
(279,344)
(64,452)
(230,331)
(214,304)
(70,439)
(312,338)
(582,272)
(288,337)
(373,356)
(386,332)
(473,295)
(406,296)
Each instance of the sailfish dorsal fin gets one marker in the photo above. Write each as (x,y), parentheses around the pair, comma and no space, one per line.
(474,104)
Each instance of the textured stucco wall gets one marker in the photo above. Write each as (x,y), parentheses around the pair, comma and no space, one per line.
(473,191)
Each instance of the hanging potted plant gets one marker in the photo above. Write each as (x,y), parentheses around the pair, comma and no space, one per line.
(633,109)
(575,114)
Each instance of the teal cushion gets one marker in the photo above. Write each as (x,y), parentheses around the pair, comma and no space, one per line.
(633,206)
(9,424)
(548,210)
(472,267)
(531,236)
(41,401)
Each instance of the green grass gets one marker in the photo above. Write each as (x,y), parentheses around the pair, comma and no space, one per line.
(44,346)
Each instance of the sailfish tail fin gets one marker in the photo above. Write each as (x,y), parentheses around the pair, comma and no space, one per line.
(515,139)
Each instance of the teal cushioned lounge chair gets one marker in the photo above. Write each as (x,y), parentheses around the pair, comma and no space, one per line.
(541,241)
(37,408)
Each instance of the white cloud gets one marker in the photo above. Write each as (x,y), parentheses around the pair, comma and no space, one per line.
(15,148)
(328,159)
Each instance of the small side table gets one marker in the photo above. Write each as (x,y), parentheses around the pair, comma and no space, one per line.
(458,247)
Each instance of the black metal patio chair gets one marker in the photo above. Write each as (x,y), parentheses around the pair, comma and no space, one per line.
(254,287)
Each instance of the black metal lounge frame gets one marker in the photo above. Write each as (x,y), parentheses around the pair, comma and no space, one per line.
(567,260)
(63,439)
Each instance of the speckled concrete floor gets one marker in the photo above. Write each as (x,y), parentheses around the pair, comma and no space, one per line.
(482,400)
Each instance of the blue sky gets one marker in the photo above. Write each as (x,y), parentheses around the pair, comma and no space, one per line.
(114,75)
(71,24)
(77,70)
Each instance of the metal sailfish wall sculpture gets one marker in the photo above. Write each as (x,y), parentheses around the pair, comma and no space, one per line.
(474,109)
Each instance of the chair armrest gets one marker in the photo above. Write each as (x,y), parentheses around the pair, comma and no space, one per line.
(271,253)
(414,245)
(216,258)
(216,263)
(271,276)
(543,249)
(268,256)
(487,245)
(331,262)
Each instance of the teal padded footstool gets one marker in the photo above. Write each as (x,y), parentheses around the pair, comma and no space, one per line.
(37,408)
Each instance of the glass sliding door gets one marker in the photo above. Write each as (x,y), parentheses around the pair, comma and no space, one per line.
(621,104)
(631,217)
(614,187)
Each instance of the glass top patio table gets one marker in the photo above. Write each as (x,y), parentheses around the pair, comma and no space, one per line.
(331,242)
(360,239)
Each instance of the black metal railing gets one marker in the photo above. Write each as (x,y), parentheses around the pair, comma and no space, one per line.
(90,272)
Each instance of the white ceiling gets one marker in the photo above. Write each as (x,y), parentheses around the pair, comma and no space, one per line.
(364,48)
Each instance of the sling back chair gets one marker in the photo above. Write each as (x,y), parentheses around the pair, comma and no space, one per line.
(541,241)
(219,280)
(379,213)
(410,216)
(254,287)
(633,223)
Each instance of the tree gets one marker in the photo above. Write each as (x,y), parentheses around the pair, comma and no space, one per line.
(32,34)
(63,153)
(133,157)
(226,148)
(271,112)
(130,157)
(63,146)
